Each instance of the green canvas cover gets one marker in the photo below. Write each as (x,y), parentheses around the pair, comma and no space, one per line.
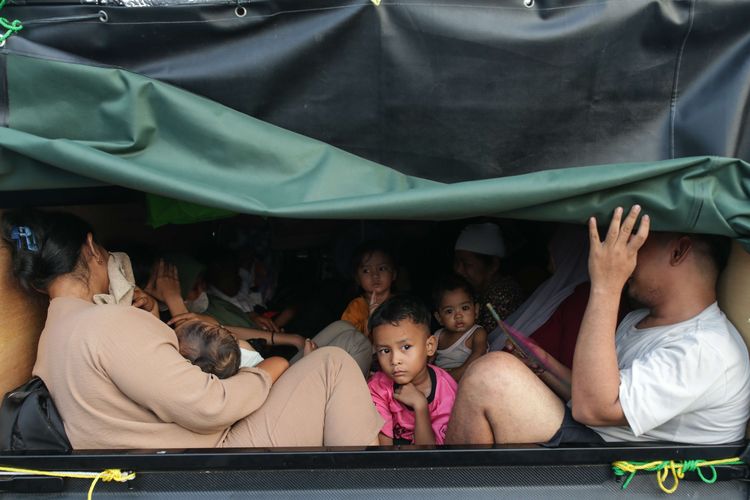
(78,125)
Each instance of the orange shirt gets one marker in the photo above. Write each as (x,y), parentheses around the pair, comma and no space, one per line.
(357,313)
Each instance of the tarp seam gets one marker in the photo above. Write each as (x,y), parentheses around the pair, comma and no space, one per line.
(676,81)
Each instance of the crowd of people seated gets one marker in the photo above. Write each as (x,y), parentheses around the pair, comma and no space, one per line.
(623,341)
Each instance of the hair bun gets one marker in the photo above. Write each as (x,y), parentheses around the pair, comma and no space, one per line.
(43,245)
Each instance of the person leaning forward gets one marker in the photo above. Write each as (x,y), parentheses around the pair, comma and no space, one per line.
(119,381)
(676,370)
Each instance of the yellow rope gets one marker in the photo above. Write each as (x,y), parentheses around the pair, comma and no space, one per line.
(664,469)
(105,475)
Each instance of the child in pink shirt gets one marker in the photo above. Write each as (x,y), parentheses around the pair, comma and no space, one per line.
(415,399)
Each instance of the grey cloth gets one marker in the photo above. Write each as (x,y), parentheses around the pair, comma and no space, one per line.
(342,334)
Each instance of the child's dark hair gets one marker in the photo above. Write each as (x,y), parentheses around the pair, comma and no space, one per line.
(398,308)
(369,247)
(211,348)
(449,283)
(43,245)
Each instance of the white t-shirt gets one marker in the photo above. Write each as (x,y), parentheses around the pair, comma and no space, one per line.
(687,383)
(249,358)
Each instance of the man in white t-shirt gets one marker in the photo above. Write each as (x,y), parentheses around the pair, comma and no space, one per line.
(676,370)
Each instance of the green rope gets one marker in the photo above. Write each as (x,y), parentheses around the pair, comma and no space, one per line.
(10,27)
(629,469)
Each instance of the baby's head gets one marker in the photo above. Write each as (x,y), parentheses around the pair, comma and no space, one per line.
(210,347)
(455,303)
(374,268)
(401,335)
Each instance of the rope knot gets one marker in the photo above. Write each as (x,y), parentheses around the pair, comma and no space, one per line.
(116,475)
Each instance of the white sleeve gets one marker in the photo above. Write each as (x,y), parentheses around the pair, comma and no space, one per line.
(668,382)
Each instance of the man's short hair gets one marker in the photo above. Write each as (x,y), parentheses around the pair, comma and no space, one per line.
(714,247)
(398,308)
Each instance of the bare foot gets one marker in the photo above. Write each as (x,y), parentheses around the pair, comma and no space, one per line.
(310,346)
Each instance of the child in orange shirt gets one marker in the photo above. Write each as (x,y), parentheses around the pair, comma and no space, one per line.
(374,272)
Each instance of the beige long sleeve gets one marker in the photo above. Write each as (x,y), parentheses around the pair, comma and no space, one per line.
(119,381)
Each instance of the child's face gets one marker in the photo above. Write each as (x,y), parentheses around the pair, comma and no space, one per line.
(457,311)
(403,349)
(375,273)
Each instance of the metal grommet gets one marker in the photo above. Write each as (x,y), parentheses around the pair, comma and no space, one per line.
(240,11)
(528,3)
(103,16)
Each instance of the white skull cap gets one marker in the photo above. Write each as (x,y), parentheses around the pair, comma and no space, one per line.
(486,239)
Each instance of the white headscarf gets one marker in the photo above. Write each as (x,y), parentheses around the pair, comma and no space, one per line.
(569,249)
(486,239)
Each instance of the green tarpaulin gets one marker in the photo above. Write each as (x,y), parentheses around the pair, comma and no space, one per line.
(75,125)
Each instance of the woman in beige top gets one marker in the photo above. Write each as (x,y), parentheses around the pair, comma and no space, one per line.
(118,380)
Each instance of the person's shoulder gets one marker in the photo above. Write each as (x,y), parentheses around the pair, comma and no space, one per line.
(504,289)
(358,303)
(444,378)
(476,329)
(216,302)
(115,312)
(112,319)
(713,326)
(630,319)
(380,383)
(380,378)
(505,282)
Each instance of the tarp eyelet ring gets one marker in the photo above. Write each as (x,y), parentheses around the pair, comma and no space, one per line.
(528,3)
(103,16)
(240,11)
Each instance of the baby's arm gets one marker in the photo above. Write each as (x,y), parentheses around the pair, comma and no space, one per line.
(409,395)
(271,338)
(478,348)
(273,366)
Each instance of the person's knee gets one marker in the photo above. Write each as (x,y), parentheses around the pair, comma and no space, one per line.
(332,355)
(490,373)
(342,325)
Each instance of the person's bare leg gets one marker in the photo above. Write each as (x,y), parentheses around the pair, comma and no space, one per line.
(500,400)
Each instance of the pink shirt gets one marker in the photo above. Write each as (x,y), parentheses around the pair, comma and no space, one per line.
(399,419)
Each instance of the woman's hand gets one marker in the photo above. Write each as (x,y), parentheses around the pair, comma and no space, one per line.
(180,319)
(164,283)
(264,323)
(144,301)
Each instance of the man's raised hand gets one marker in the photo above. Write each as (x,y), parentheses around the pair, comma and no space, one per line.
(612,261)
